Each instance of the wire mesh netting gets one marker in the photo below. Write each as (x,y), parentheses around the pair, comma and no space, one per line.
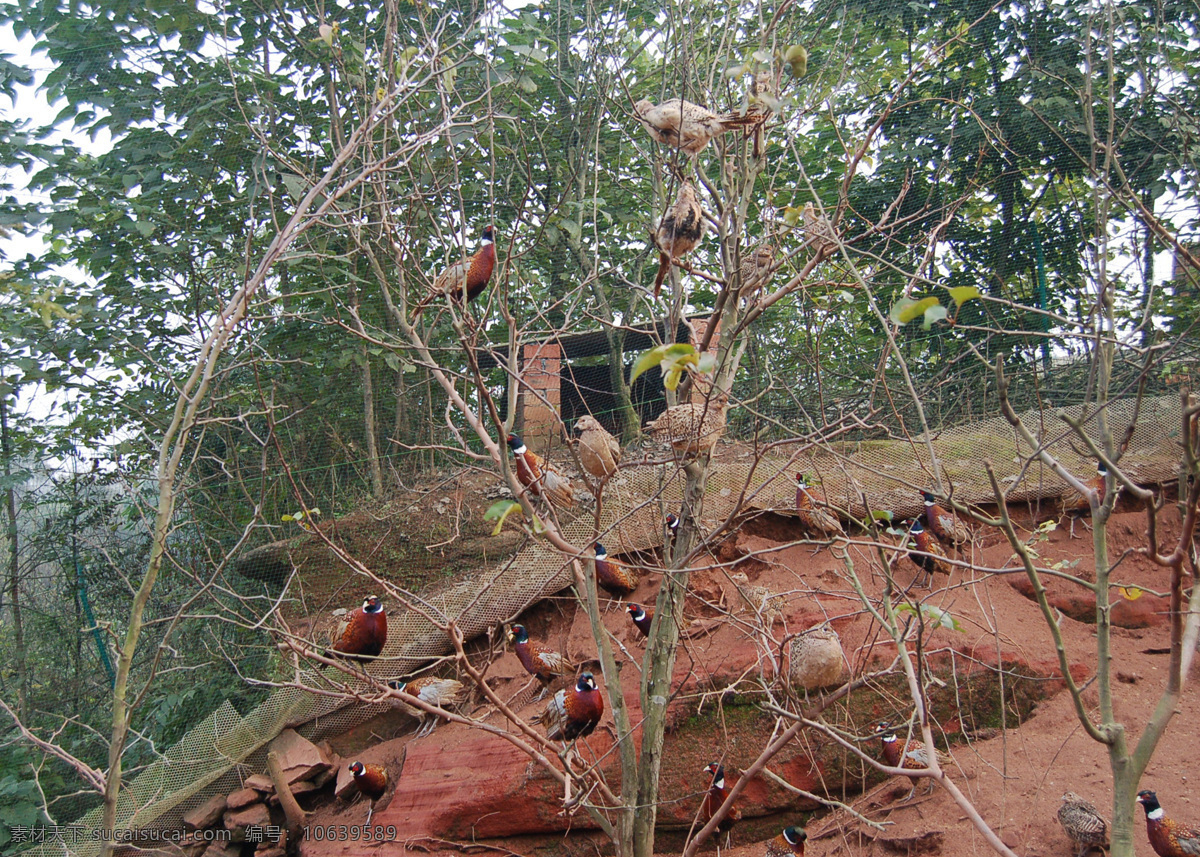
(216,754)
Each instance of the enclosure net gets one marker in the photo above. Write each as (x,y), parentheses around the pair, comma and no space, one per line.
(887,474)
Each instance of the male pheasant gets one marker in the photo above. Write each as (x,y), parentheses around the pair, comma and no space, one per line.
(679,232)
(641,618)
(364,634)
(790,842)
(540,476)
(927,553)
(441,692)
(466,279)
(713,798)
(943,523)
(1168,838)
(541,662)
(816,520)
(1076,504)
(910,756)
(372,782)
(574,712)
(615,578)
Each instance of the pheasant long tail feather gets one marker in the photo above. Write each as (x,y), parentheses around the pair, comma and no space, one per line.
(664,265)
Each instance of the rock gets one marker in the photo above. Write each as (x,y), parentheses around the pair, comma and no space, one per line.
(241,799)
(206,814)
(236,822)
(1147,611)
(260,783)
(268,563)
(299,758)
(304,787)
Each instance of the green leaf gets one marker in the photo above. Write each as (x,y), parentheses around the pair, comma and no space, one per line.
(962,294)
(499,512)
(934,314)
(933,615)
(906,309)
(645,361)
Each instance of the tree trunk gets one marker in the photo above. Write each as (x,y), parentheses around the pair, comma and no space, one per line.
(14,567)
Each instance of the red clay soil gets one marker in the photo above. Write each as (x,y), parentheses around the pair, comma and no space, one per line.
(466,785)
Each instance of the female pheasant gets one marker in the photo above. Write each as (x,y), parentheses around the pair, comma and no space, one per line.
(1168,838)
(1084,826)
(687,126)
(466,279)
(693,428)
(541,662)
(441,692)
(372,782)
(679,232)
(364,634)
(790,842)
(615,578)
(599,451)
(540,476)
(574,712)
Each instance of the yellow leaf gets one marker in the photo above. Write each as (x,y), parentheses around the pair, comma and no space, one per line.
(962,294)
(906,309)
(1130,593)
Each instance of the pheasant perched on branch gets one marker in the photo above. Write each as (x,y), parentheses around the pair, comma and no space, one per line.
(693,428)
(372,782)
(819,234)
(686,126)
(1168,838)
(364,633)
(927,554)
(816,520)
(574,712)
(756,271)
(716,795)
(910,756)
(1085,827)
(541,662)
(615,578)
(599,451)
(466,279)
(679,232)
(641,618)
(790,842)
(441,692)
(540,477)
(944,524)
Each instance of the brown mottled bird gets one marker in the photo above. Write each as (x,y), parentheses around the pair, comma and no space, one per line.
(1083,824)
(641,618)
(574,712)
(815,659)
(599,451)
(756,271)
(761,599)
(540,476)
(615,578)
(679,232)
(910,756)
(927,553)
(1075,504)
(364,634)
(816,520)
(541,662)
(944,524)
(466,279)
(1168,838)
(441,692)
(372,782)
(692,428)
(790,842)
(713,798)
(819,234)
(687,126)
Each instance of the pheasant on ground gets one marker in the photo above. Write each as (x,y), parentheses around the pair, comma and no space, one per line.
(372,782)
(693,428)
(789,842)
(615,578)
(541,662)
(761,600)
(641,618)
(943,523)
(687,126)
(927,553)
(815,659)
(466,279)
(540,477)
(599,451)
(574,712)
(713,798)
(679,232)
(813,518)
(362,635)
(1084,826)
(1168,838)
(442,692)
(910,756)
